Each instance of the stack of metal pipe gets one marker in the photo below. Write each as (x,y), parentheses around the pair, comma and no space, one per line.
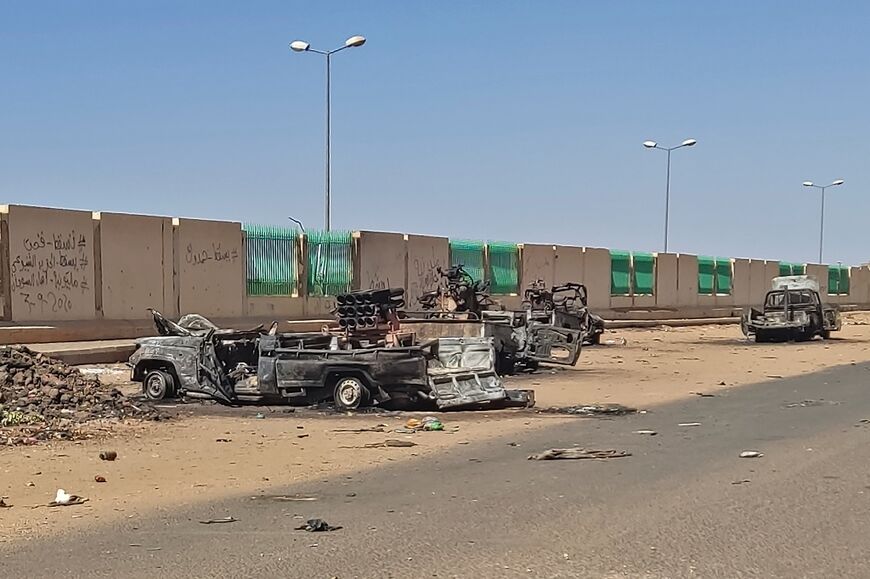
(368,309)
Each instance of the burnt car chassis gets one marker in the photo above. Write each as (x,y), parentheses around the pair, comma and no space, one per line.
(793,311)
(235,367)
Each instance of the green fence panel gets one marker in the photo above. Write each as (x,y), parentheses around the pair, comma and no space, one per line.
(330,262)
(643,273)
(838,280)
(723,276)
(271,260)
(468,254)
(833,280)
(504,268)
(845,272)
(788,268)
(620,273)
(706,276)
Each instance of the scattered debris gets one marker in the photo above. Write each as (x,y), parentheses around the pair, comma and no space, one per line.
(42,398)
(591,410)
(109,455)
(689,424)
(413,424)
(306,435)
(751,454)
(774,376)
(577,454)
(808,403)
(99,479)
(703,394)
(376,428)
(4,505)
(223,439)
(391,442)
(260,416)
(430,423)
(615,342)
(293,498)
(317,526)
(63,499)
(219,521)
(740,482)
(647,432)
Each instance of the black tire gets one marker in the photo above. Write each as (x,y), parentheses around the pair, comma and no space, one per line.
(762,338)
(350,393)
(158,385)
(825,334)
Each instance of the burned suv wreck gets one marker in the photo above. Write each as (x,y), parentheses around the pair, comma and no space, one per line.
(793,310)
(569,305)
(307,368)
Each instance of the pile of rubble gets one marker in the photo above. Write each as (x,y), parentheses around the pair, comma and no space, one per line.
(42,398)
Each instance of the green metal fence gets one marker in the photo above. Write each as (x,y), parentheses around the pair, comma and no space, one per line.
(788,268)
(643,268)
(330,265)
(724,273)
(838,280)
(715,275)
(620,273)
(504,268)
(271,260)
(469,254)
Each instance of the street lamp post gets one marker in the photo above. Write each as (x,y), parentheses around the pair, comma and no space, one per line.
(822,220)
(302,46)
(654,145)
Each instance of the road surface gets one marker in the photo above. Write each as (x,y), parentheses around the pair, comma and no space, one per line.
(683,505)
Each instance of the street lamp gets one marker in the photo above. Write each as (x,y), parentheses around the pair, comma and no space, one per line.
(822,222)
(654,145)
(302,46)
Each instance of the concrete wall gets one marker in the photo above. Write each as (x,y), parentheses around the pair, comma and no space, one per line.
(380,260)
(687,280)
(425,254)
(741,289)
(666,281)
(136,265)
(210,268)
(538,262)
(757,281)
(821,273)
(569,265)
(50,256)
(596,276)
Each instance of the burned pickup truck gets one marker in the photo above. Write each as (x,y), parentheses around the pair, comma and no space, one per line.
(568,304)
(793,310)
(307,368)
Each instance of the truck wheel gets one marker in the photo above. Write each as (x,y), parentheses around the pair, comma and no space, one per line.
(158,385)
(825,334)
(350,393)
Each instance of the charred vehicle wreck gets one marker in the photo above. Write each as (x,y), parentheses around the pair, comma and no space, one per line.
(548,329)
(569,305)
(371,367)
(792,310)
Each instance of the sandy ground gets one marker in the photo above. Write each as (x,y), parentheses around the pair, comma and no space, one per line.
(208,452)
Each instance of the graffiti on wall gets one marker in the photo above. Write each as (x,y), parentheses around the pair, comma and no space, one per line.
(50,271)
(213,252)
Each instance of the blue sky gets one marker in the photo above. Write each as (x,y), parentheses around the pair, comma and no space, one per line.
(518,121)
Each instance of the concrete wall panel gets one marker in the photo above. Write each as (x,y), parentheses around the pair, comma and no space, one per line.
(51,264)
(279,307)
(666,281)
(569,265)
(771,270)
(741,283)
(539,262)
(596,273)
(133,264)
(687,280)
(425,254)
(859,286)
(381,260)
(820,272)
(758,282)
(210,265)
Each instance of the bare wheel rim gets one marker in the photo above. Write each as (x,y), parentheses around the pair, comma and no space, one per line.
(156,385)
(349,392)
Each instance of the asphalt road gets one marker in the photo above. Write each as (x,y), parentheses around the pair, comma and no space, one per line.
(672,509)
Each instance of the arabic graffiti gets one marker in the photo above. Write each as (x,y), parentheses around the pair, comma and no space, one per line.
(50,269)
(196,256)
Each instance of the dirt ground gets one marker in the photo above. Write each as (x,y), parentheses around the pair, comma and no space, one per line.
(208,452)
